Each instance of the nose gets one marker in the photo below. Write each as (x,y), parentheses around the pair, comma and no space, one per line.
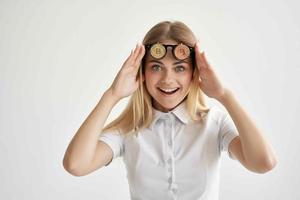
(167,77)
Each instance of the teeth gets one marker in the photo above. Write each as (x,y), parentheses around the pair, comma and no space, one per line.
(168,90)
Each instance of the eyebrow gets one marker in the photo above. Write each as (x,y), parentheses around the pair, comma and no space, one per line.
(178,62)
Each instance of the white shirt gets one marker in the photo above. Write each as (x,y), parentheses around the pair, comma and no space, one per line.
(175,158)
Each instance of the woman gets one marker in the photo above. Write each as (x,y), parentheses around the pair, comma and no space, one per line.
(170,141)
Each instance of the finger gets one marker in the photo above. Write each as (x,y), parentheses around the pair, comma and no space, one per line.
(133,52)
(136,52)
(128,60)
(140,56)
(204,60)
(137,63)
(199,59)
(198,45)
(132,57)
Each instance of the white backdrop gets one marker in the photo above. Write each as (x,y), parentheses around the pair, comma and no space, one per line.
(58,57)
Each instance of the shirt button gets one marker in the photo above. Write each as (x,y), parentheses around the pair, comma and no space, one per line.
(170,143)
(170,180)
(169,169)
(169,161)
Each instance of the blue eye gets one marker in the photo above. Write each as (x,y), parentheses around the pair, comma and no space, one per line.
(180,68)
(155,67)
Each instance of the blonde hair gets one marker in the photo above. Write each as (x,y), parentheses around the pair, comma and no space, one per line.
(138,113)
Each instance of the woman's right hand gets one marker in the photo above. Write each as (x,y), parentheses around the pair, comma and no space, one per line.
(126,82)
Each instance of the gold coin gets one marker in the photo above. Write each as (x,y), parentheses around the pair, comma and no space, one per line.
(182,51)
(158,51)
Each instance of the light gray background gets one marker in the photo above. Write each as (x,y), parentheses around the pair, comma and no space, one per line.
(58,57)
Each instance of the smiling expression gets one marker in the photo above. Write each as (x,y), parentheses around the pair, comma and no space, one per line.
(167,80)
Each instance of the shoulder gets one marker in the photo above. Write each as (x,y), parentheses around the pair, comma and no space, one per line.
(216,114)
(114,134)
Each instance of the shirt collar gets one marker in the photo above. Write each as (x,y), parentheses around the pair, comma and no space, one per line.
(179,111)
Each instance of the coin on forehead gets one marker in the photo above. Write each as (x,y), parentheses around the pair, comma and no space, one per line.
(182,51)
(157,51)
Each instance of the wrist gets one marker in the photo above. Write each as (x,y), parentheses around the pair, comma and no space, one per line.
(110,95)
(225,96)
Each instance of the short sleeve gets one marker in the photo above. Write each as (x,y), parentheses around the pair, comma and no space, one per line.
(115,141)
(227,132)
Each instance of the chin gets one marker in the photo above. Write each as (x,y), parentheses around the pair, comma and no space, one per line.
(167,106)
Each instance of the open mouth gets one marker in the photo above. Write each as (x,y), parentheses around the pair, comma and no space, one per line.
(168,91)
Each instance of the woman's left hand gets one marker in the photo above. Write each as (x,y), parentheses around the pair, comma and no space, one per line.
(208,80)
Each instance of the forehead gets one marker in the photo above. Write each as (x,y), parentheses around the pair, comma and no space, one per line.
(172,42)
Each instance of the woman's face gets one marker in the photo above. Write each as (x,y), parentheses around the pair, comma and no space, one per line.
(164,76)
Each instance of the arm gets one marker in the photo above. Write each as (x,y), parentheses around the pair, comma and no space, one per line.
(250,147)
(85,153)
(80,153)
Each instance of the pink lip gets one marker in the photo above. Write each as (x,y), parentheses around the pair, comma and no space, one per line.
(167,95)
